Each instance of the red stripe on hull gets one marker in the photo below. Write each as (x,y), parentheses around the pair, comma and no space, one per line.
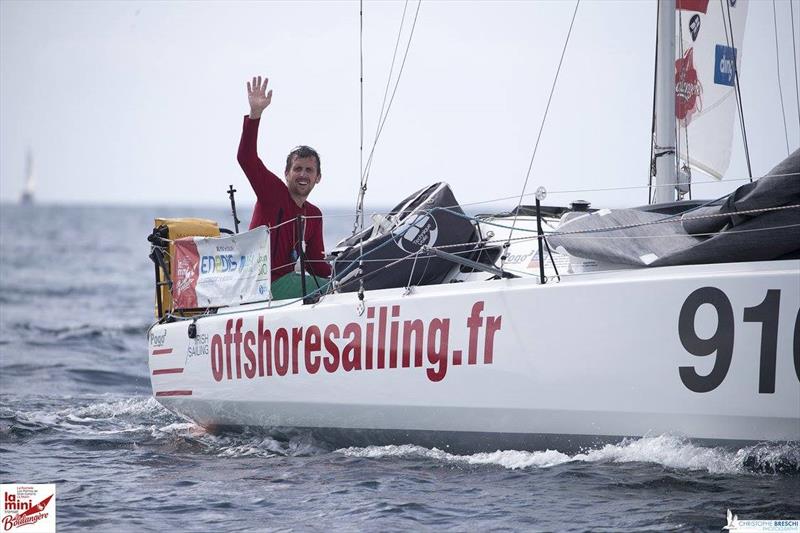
(162,351)
(167,371)
(174,393)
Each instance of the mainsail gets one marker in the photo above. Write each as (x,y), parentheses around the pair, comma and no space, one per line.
(708,54)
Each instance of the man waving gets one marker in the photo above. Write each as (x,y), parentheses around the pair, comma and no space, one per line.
(278,204)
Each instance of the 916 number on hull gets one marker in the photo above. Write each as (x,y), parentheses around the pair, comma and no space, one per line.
(721,342)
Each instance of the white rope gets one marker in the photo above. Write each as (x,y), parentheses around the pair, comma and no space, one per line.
(324,286)
(679,219)
(575,191)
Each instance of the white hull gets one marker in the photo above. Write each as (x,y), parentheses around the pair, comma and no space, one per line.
(588,356)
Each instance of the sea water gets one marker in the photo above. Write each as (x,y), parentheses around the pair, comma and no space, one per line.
(76,298)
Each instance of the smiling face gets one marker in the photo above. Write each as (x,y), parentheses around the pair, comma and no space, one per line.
(301,177)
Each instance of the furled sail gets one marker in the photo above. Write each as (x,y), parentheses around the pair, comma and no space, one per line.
(708,49)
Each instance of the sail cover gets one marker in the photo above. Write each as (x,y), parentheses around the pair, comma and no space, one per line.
(757,222)
(708,49)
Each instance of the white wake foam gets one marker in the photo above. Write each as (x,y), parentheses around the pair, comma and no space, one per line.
(666,450)
(99,417)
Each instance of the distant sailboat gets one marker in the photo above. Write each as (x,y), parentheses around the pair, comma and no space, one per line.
(26,198)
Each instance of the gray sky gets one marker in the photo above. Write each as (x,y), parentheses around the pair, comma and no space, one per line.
(142,102)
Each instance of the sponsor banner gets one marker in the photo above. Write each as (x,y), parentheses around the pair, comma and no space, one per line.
(29,508)
(724,65)
(221,271)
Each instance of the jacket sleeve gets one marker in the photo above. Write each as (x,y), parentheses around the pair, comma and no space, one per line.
(315,250)
(265,184)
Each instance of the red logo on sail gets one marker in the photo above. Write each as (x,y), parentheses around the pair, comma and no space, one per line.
(700,6)
(688,90)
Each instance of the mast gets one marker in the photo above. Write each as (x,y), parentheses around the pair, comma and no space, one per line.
(665,152)
(27,191)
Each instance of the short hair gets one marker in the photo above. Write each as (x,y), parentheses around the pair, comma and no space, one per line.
(300,152)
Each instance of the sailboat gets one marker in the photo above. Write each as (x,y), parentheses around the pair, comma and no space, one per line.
(27,196)
(548,326)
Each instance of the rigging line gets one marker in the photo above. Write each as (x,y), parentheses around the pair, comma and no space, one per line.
(409,257)
(360,259)
(495,244)
(413,266)
(391,67)
(738,92)
(704,234)
(676,125)
(610,189)
(685,131)
(382,116)
(778,65)
(794,53)
(577,235)
(546,109)
(673,219)
(363,186)
(391,99)
(678,217)
(359,222)
(565,191)
(652,169)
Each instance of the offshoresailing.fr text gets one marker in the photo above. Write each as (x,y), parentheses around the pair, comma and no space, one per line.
(248,354)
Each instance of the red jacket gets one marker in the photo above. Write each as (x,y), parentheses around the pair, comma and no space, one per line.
(274,206)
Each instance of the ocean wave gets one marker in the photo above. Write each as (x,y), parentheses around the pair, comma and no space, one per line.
(80,332)
(21,293)
(108,378)
(103,337)
(145,422)
(665,450)
(142,421)
(100,418)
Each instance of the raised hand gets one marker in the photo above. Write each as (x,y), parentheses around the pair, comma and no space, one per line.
(258,96)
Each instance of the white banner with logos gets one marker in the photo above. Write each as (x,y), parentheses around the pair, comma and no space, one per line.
(221,271)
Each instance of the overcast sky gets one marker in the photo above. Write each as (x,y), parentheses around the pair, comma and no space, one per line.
(142,102)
